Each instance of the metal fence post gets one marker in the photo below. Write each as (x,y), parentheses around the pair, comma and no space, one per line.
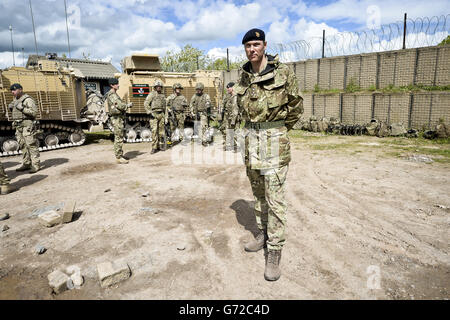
(411,101)
(404,32)
(323,44)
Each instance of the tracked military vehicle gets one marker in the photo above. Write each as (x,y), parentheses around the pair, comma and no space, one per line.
(61,99)
(139,74)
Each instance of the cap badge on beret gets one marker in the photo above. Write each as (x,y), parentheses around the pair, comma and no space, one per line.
(254,34)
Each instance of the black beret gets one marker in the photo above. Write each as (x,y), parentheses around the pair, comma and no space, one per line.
(113,81)
(230,84)
(15,86)
(254,34)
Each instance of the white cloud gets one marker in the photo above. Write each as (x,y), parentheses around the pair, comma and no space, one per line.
(236,53)
(112,29)
(355,11)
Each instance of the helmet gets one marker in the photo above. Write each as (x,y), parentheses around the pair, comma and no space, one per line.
(158,83)
(200,86)
(16,86)
(113,81)
(177,86)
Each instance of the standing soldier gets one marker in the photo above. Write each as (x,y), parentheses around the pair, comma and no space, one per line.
(200,106)
(177,103)
(229,116)
(117,109)
(270,103)
(24,112)
(4,181)
(155,105)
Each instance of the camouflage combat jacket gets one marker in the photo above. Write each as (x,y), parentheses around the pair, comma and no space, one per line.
(200,104)
(117,108)
(272,98)
(155,102)
(177,103)
(230,108)
(29,111)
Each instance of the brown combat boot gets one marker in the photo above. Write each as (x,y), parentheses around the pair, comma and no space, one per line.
(258,243)
(6,188)
(154,151)
(273,271)
(24,167)
(35,169)
(122,160)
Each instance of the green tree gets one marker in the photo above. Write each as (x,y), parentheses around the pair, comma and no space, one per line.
(445,41)
(190,59)
(184,61)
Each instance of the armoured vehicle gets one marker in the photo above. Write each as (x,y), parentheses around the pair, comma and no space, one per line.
(61,99)
(139,74)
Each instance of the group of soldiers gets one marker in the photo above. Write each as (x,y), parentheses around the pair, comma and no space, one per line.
(171,112)
(266,99)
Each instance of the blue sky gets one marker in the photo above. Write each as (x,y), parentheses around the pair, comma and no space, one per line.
(112,29)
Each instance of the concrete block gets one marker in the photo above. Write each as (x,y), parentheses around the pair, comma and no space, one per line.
(68,211)
(50,218)
(58,281)
(110,273)
(77,279)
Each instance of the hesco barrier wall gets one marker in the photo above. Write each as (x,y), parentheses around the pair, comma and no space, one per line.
(414,110)
(429,66)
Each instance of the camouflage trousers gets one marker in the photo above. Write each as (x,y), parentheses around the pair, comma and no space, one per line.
(118,128)
(158,130)
(3,176)
(228,133)
(179,118)
(28,143)
(203,126)
(269,191)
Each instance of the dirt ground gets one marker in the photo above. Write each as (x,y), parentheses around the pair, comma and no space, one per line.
(364,222)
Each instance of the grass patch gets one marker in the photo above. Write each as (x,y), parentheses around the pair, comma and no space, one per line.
(352,87)
(305,135)
(332,146)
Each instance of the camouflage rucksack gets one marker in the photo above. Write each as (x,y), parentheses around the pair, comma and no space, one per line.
(442,130)
(383,130)
(397,129)
(372,127)
(323,124)
(313,124)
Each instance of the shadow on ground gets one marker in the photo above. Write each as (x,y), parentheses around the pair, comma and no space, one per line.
(133,154)
(245,215)
(28,181)
(53,162)
(7,165)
